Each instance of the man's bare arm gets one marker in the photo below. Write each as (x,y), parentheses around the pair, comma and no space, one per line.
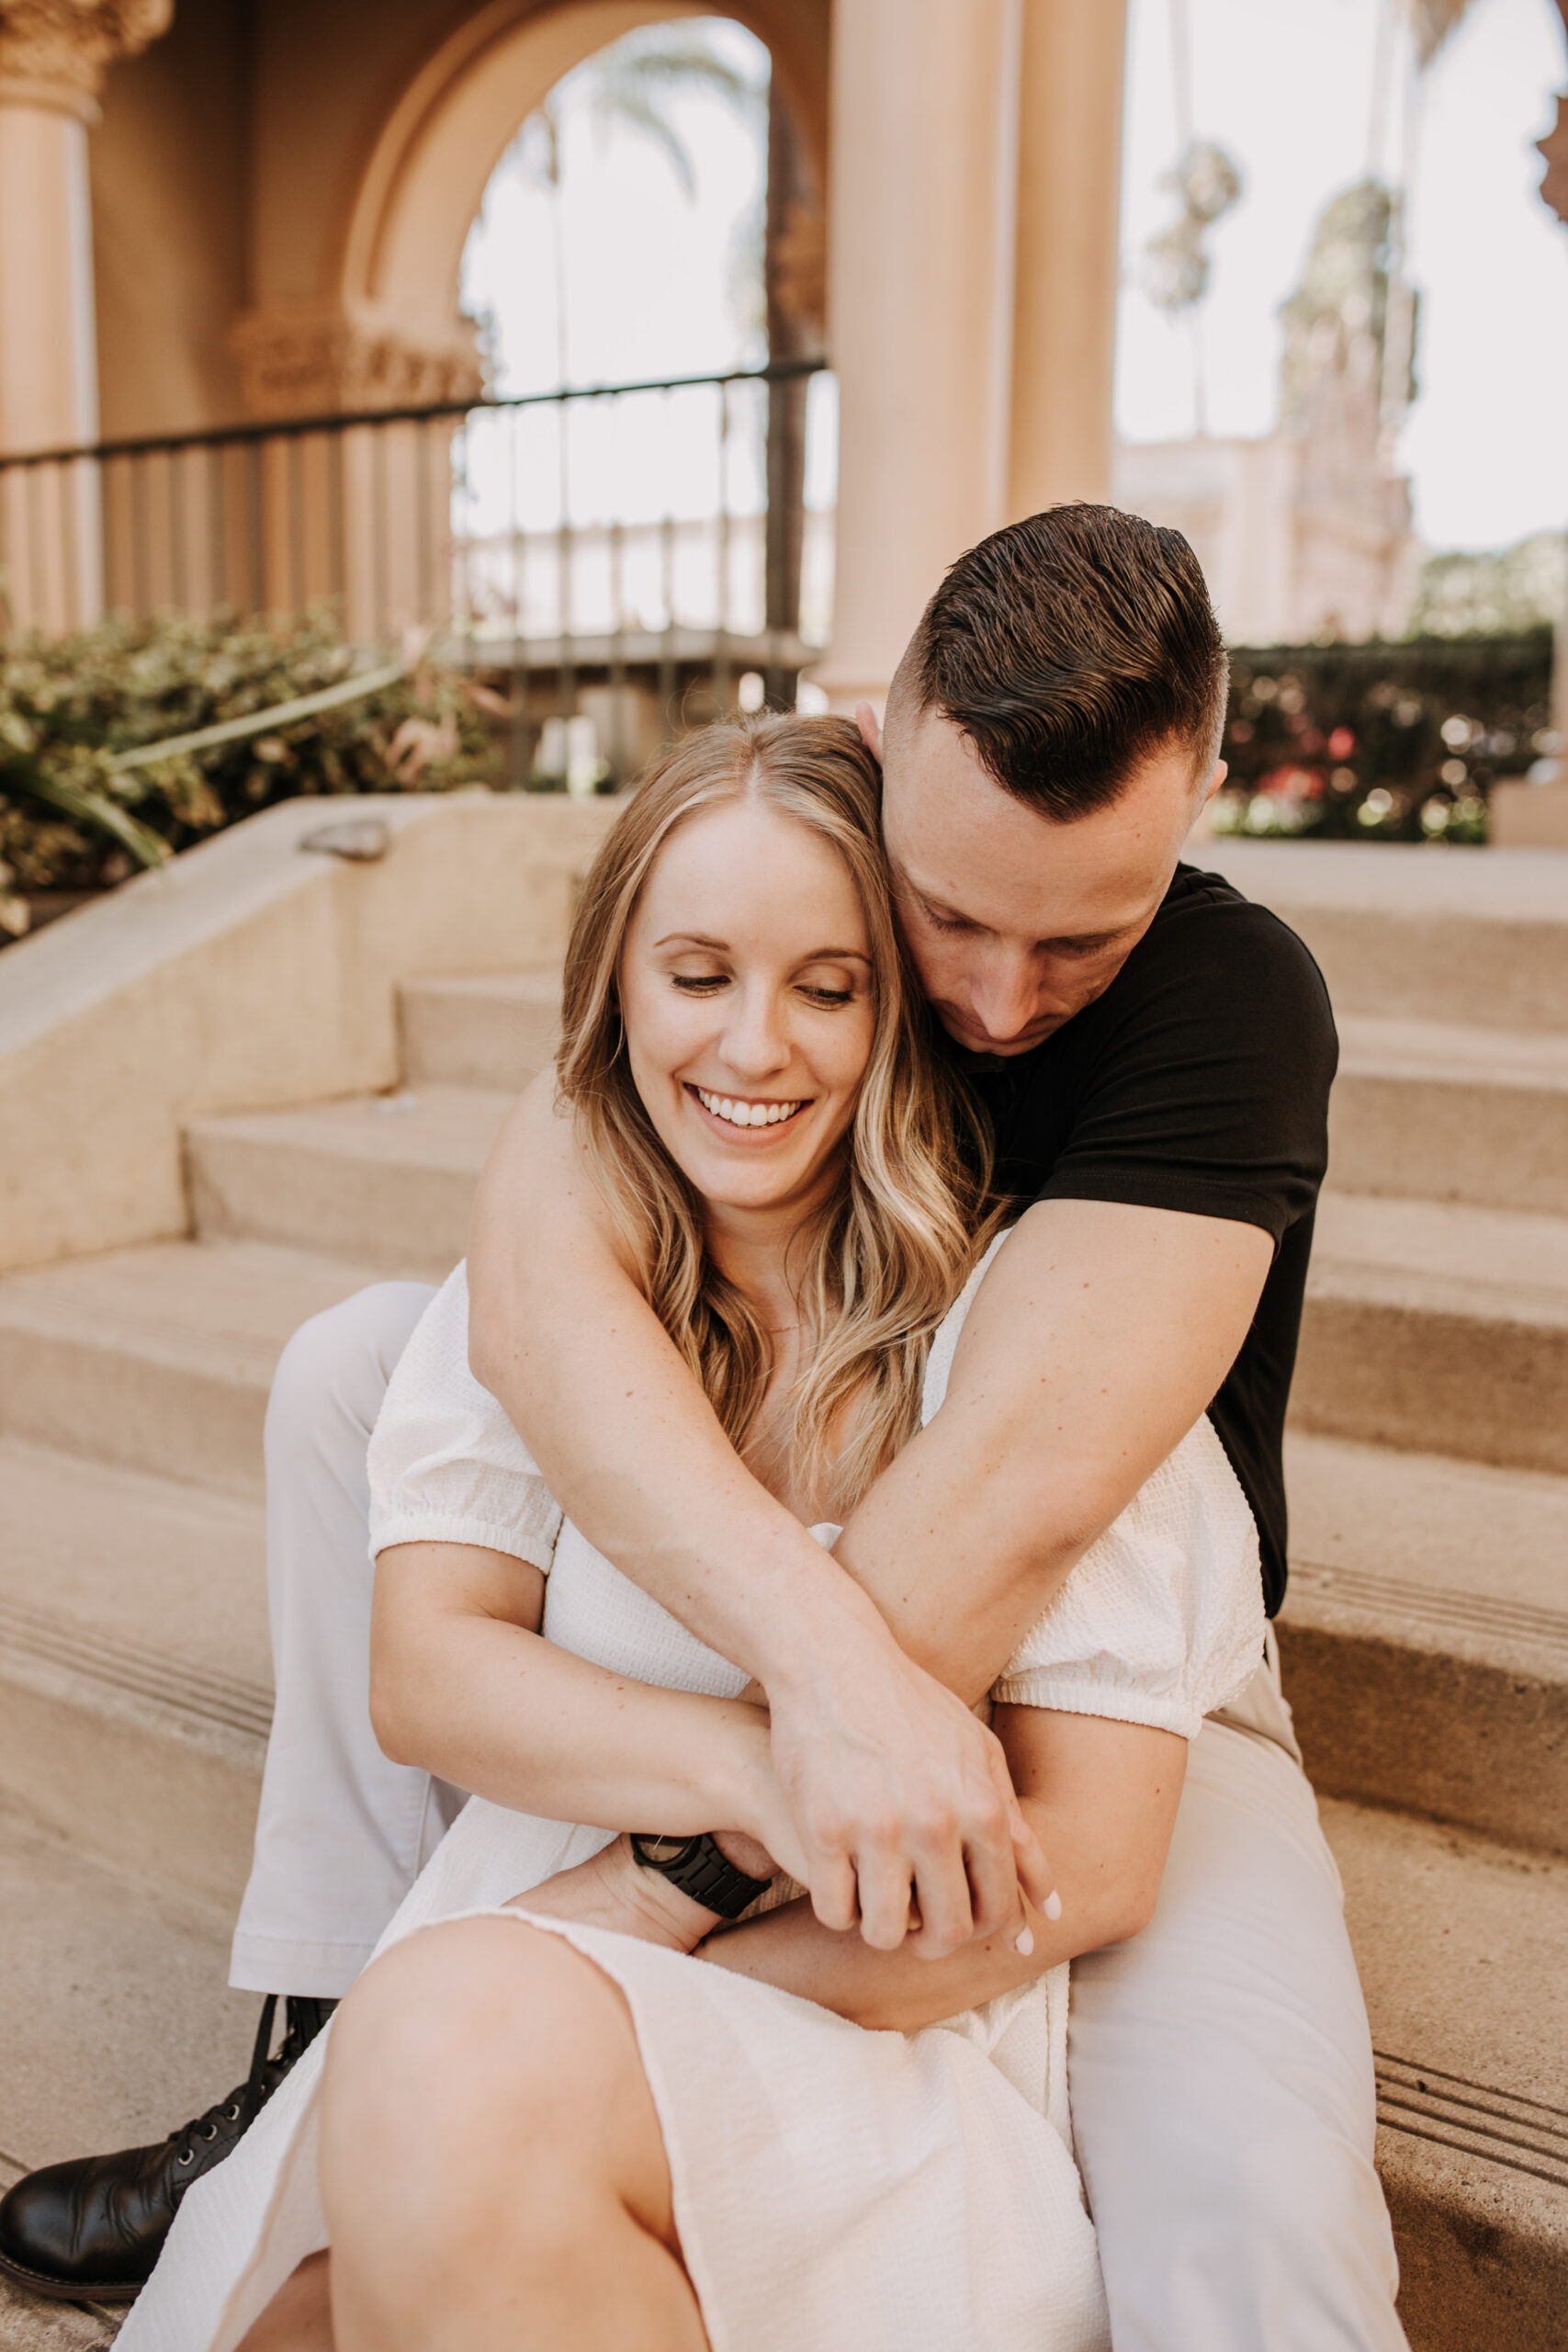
(1097,1340)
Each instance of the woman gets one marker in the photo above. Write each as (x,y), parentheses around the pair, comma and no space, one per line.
(585,2117)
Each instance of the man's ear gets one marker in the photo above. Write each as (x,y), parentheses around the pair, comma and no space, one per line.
(1221,771)
(871,729)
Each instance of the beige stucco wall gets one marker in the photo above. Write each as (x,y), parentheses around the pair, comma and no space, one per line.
(248,974)
(168,171)
(320,156)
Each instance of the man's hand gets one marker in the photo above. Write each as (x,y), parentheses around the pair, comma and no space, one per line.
(902,1800)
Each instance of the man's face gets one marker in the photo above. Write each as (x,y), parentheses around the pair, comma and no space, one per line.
(1015,921)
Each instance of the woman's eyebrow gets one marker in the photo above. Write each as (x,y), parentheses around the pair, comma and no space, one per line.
(817,956)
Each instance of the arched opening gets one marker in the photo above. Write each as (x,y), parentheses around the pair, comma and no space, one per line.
(424,185)
(639,557)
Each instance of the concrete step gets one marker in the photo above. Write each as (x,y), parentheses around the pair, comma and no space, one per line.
(383,1178)
(135,1666)
(1438,1327)
(159,1358)
(116,2025)
(1419,933)
(1446,1112)
(1425,1635)
(1461,1948)
(496,1030)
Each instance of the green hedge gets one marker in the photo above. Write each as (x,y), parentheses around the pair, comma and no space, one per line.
(1382,742)
(68,704)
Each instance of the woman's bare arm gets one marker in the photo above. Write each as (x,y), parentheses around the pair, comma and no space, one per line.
(1102,1796)
(463,1684)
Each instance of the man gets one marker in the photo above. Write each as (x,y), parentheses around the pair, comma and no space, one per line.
(1155,1055)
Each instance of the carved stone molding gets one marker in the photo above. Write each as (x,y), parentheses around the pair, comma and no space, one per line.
(56,52)
(321,359)
(1554,147)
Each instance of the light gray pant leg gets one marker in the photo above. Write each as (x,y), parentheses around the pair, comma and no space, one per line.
(341,1833)
(1221,2074)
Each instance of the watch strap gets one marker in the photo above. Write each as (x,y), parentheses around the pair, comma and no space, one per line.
(698,1867)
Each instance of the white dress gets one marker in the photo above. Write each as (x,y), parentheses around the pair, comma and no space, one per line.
(836,2189)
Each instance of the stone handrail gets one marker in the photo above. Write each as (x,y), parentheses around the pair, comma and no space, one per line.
(245,975)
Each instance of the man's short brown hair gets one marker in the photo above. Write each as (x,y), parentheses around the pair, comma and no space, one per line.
(1068,647)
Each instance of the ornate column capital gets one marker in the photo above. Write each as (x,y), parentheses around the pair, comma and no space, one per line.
(56,52)
(319,358)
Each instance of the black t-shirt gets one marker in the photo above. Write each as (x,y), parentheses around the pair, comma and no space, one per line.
(1198,1081)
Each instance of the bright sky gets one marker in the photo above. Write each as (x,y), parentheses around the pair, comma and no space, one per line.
(1286,86)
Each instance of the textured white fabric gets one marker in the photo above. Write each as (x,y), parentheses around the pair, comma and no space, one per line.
(445,1464)
(940,2160)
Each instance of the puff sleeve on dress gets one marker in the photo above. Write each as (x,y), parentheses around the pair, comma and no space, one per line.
(1161,1622)
(445,1464)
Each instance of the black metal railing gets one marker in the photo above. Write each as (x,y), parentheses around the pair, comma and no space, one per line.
(612,551)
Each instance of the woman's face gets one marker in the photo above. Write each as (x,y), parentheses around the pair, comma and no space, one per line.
(746,988)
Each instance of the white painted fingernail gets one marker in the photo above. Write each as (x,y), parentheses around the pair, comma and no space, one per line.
(1052,1906)
(1024,1942)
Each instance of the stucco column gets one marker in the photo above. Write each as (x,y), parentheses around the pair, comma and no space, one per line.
(972,275)
(53,56)
(919,277)
(1068,247)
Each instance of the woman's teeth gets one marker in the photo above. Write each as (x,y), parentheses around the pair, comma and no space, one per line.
(746,1115)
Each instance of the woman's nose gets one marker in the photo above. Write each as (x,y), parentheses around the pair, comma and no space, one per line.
(755,1043)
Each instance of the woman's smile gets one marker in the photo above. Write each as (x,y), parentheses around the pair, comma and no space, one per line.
(747,1115)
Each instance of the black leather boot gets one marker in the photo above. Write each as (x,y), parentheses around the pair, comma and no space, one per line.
(92,2230)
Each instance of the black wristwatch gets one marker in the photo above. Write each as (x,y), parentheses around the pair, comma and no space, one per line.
(696,1866)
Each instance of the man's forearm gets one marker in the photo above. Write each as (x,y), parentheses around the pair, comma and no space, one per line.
(631,1448)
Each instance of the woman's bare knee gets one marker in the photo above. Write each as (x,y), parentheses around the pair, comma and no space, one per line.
(488,2045)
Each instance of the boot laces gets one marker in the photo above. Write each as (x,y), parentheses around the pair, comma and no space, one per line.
(304,2020)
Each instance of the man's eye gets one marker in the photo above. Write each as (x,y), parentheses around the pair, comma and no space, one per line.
(946,923)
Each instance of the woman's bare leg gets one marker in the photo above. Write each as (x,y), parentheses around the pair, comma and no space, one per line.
(299,2318)
(491,2165)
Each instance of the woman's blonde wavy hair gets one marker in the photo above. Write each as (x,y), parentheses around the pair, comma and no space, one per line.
(875,1270)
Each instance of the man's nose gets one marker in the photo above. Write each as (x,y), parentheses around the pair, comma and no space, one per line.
(1005,997)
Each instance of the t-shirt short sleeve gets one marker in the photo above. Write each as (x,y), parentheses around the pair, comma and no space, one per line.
(1207,1086)
(445,1464)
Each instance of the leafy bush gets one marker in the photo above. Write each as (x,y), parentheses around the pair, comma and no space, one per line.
(68,704)
(1382,742)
